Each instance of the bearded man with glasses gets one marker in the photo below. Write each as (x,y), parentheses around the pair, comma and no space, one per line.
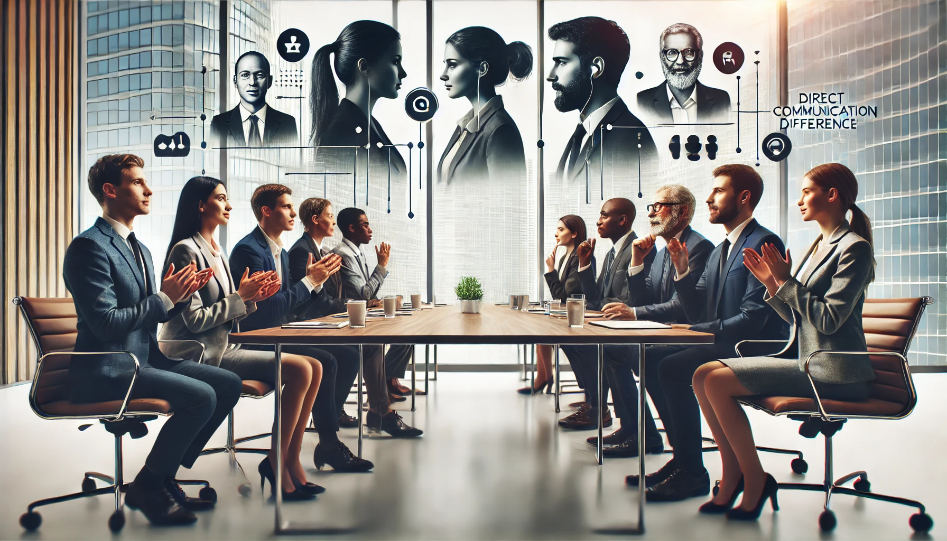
(681,98)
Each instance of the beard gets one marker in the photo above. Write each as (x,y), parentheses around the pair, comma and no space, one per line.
(724,214)
(573,96)
(684,78)
(662,226)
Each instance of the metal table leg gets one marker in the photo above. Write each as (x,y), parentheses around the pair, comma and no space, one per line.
(414,376)
(435,364)
(557,378)
(601,369)
(525,364)
(361,363)
(427,362)
(532,374)
(641,442)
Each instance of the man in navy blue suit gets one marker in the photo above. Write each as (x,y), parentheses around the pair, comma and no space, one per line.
(726,300)
(111,277)
(262,250)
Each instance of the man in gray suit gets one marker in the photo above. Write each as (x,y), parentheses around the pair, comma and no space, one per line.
(360,283)
(111,278)
(614,223)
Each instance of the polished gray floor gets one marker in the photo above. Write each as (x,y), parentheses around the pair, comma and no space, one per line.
(491,465)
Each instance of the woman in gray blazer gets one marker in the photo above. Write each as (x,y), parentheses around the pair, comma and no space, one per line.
(824,297)
(563,281)
(216,309)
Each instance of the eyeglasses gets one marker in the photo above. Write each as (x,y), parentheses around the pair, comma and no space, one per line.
(260,76)
(672,54)
(658,207)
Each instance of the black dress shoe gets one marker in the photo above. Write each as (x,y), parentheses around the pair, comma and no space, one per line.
(340,458)
(159,506)
(586,420)
(679,485)
(308,488)
(347,421)
(392,398)
(653,479)
(629,448)
(393,424)
(579,405)
(185,501)
(266,474)
(611,439)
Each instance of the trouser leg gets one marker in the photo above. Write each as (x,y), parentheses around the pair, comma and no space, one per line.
(620,364)
(346,372)
(396,360)
(324,414)
(584,362)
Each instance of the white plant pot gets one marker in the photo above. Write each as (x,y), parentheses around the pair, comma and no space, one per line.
(470,307)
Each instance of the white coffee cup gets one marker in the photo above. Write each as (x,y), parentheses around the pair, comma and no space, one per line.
(415,301)
(390,303)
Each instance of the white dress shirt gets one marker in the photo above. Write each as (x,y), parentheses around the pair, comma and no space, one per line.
(731,236)
(260,123)
(124,232)
(592,119)
(618,247)
(276,248)
(686,113)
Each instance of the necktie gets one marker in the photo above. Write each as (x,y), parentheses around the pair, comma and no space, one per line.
(607,270)
(136,249)
(666,277)
(575,146)
(253,138)
(724,254)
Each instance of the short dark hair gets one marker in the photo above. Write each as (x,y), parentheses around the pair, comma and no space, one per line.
(348,217)
(743,177)
(576,225)
(595,36)
(311,208)
(266,63)
(108,170)
(266,196)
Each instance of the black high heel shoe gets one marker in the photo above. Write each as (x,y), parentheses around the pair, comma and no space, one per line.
(711,508)
(266,473)
(769,492)
(308,488)
(530,390)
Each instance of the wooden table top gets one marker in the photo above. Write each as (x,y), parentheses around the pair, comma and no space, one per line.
(447,325)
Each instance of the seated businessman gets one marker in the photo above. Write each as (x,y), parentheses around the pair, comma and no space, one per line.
(262,250)
(319,222)
(359,283)
(110,275)
(651,297)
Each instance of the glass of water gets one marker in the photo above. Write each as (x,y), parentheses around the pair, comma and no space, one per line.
(575,310)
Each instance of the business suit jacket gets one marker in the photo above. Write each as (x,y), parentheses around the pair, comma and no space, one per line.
(115,313)
(319,305)
(211,314)
(253,252)
(729,304)
(279,129)
(620,147)
(349,127)
(826,300)
(617,290)
(570,284)
(652,293)
(357,283)
(713,104)
(495,149)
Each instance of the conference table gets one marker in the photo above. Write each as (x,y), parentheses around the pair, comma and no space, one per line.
(432,325)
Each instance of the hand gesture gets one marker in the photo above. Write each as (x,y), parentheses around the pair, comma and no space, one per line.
(551,260)
(252,287)
(618,310)
(373,303)
(584,251)
(780,268)
(640,249)
(757,265)
(384,253)
(320,271)
(182,284)
(678,251)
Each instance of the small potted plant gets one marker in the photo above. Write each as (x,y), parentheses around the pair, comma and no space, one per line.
(470,295)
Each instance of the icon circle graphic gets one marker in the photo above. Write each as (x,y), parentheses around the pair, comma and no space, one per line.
(292,45)
(420,104)
(776,146)
(728,57)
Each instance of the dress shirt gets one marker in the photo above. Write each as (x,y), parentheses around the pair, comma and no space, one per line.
(732,236)
(683,114)
(260,123)
(276,247)
(362,259)
(618,248)
(124,232)
(591,120)
(469,124)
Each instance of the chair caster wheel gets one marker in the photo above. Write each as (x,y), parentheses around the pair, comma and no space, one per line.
(799,466)
(88,484)
(920,522)
(245,489)
(716,489)
(862,485)
(827,521)
(117,521)
(209,494)
(31,520)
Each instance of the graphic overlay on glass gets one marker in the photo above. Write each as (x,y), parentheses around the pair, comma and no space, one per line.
(356,310)
(575,310)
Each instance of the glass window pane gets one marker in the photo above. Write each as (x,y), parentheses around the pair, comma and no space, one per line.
(156,13)
(93,25)
(166,12)
(103,87)
(177,35)
(123,18)
(113,138)
(113,20)
(145,59)
(145,37)
(103,46)
(123,41)
(91,119)
(113,65)
(177,79)
(145,15)
(113,85)
(134,82)
(92,48)
(177,60)
(133,39)
(166,79)
(92,89)
(103,118)
(103,67)
(113,43)
(146,80)
(166,59)
(134,17)
(166,36)
(123,63)
(123,83)
(133,62)
(178,10)
(189,10)
(92,69)
(146,103)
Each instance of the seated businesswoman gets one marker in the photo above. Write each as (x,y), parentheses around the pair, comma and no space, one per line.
(486,143)
(217,308)
(824,295)
(563,281)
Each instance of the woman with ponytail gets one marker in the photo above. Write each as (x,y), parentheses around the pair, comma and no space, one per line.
(486,142)
(824,297)
(366,57)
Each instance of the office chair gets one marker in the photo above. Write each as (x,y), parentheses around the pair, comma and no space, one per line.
(890,325)
(52,324)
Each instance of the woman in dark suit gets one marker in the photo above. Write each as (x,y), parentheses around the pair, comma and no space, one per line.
(824,296)
(215,311)
(563,281)
(486,142)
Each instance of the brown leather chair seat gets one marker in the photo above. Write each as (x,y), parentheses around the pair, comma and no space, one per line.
(793,404)
(252,387)
(65,408)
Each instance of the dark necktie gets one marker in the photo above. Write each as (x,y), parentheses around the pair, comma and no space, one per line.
(666,277)
(253,138)
(575,146)
(136,249)
(607,270)
(724,254)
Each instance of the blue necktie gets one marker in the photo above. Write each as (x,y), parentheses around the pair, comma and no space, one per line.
(607,270)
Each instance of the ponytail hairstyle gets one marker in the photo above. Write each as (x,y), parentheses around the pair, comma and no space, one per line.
(187,219)
(836,175)
(481,44)
(360,39)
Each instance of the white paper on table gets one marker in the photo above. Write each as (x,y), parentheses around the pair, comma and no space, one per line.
(316,325)
(612,324)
